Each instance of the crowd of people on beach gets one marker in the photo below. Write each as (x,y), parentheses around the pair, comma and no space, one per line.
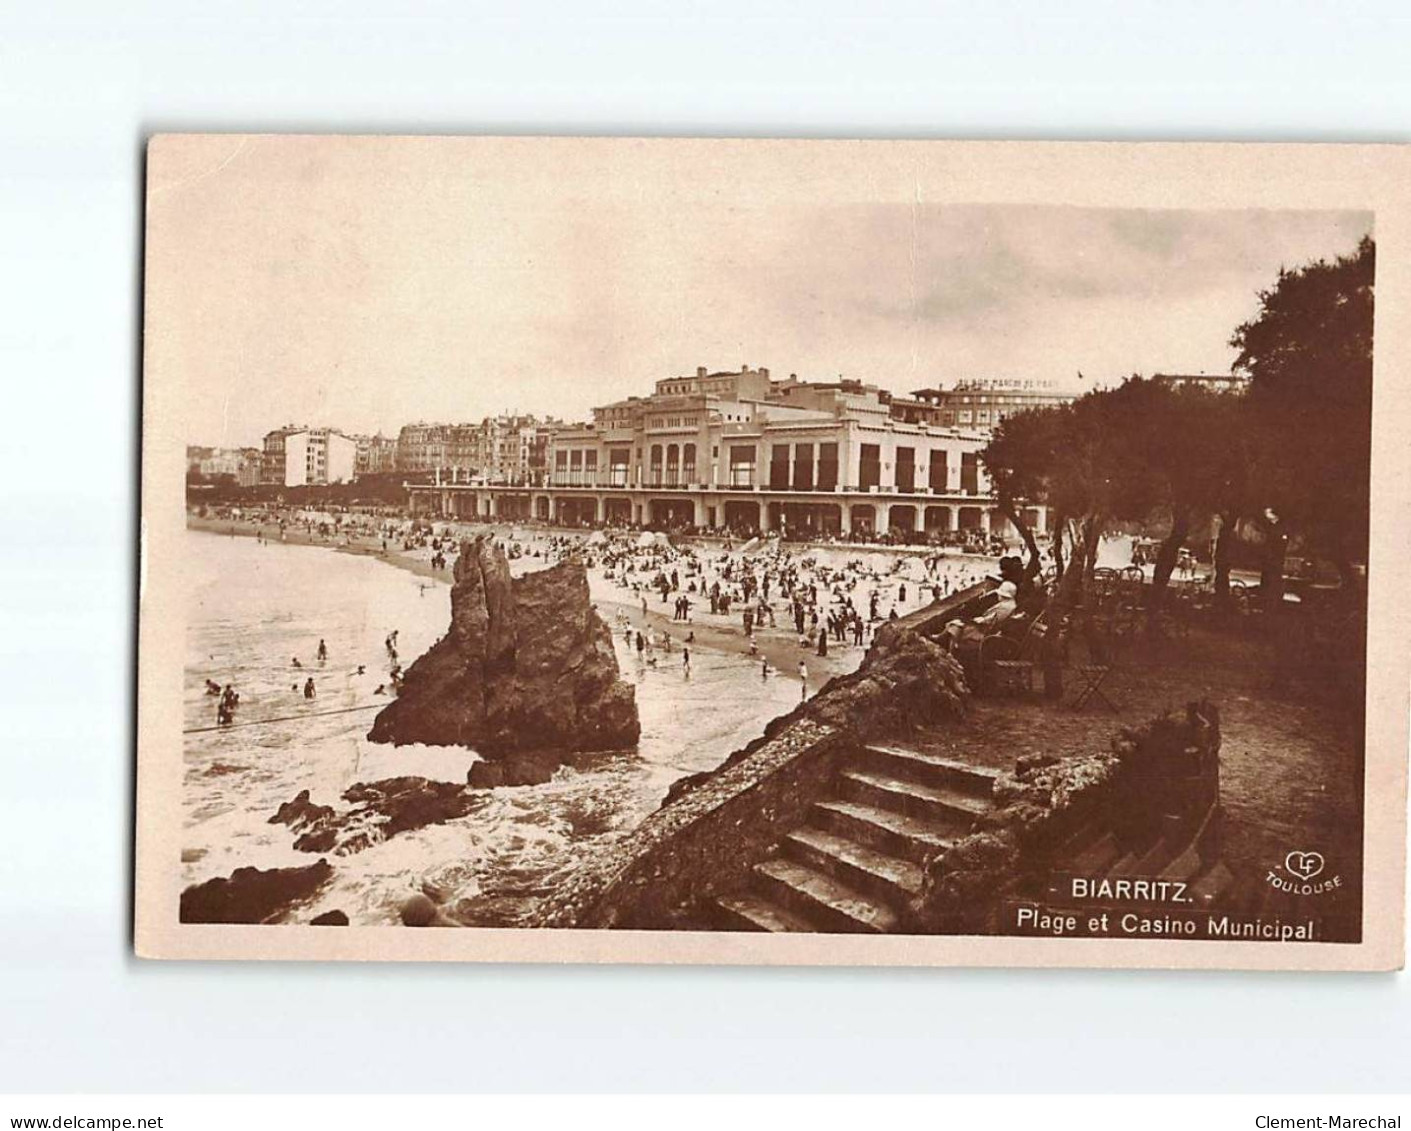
(818,598)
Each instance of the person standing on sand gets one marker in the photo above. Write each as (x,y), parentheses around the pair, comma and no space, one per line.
(803,681)
(686,662)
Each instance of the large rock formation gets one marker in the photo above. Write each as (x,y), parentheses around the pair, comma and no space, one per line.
(527,668)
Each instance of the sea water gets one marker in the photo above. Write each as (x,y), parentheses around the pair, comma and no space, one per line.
(256,607)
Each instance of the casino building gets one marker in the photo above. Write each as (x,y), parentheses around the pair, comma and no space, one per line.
(752,453)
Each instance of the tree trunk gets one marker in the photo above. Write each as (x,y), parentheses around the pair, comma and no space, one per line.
(1224,551)
(1271,575)
(1011,512)
(1070,586)
(1165,563)
(1058,523)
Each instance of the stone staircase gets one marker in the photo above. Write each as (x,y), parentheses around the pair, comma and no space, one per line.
(856,863)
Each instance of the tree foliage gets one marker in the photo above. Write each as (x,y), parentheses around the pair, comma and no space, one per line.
(1308,353)
(1291,456)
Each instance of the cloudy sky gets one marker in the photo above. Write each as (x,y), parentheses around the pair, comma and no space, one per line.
(321,288)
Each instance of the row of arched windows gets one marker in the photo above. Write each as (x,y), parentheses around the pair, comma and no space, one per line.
(680,463)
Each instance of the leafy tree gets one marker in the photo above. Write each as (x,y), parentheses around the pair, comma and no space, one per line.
(1308,353)
(1085,462)
(1019,460)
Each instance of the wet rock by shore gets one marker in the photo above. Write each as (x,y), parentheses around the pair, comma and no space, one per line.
(379,811)
(252,895)
(526,668)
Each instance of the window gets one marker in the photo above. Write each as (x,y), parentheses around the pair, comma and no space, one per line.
(688,464)
(618,459)
(906,469)
(803,467)
(870,466)
(940,472)
(742,463)
(779,467)
(827,467)
(969,473)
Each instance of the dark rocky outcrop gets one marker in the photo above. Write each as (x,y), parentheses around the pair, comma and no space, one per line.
(905,680)
(530,767)
(526,668)
(300,813)
(380,810)
(252,895)
(330,919)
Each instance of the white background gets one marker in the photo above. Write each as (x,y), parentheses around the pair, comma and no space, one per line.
(80,87)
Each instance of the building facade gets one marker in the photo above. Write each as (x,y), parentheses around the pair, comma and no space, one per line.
(742,451)
(977,403)
(296,456)
(376,455)
(241,464)
(509,449)
(1215,382)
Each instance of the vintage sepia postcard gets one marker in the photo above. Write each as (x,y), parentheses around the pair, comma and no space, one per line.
(833,552)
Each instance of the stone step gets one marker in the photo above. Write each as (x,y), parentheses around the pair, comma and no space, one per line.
(927,768)
(746,912)
(911,838)
(956,811)
(875,873)
(1156,858)
(1097,858)
(1208,890)
(1079,843)
(1133,861)
(821,899)
(1184,867)
(1125,865)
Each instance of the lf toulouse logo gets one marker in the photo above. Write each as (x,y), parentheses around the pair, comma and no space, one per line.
(1300,871)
